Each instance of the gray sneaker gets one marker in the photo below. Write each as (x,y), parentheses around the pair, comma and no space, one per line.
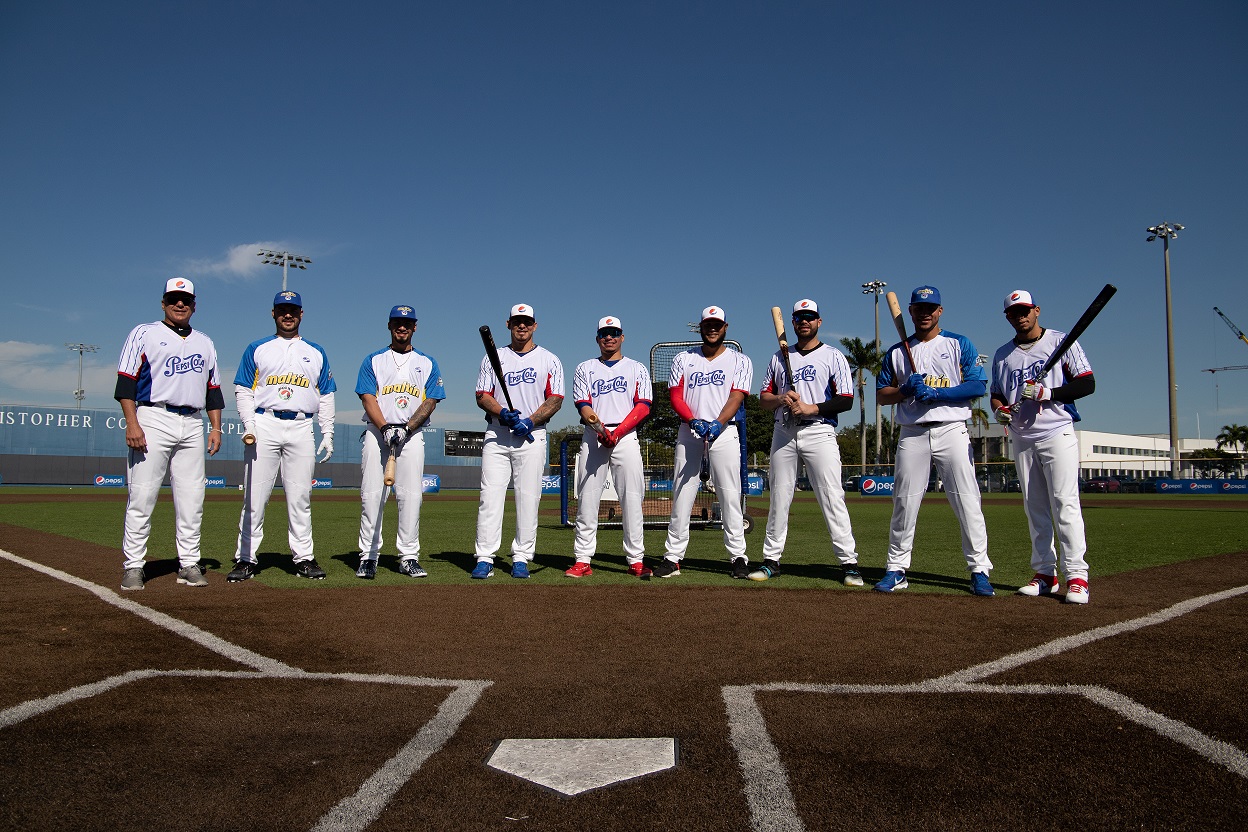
(412,569)
(192,575)
(133,578)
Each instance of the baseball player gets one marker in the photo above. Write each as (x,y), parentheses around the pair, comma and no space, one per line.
(399,387)
(1039,413)
(166,375)
(806,407)
(933,400)
(515,440)
(283,383)
(613,395)
(708,385)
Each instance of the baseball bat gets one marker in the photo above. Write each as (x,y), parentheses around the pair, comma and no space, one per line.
(778,320)
(894,309)
(1085,320)
(705,473)
(389,477)
(595,423)
(249,439)
(491,352)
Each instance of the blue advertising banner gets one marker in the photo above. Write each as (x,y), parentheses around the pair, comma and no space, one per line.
(110,480)
(430,484)
(214,482)
(550,484)
(753,484)
(876,486)
(321,482)
(1202,486)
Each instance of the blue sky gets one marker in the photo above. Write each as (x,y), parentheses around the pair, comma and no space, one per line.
(642,160)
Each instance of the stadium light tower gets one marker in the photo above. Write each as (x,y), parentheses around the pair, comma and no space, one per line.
(284,259)
(81,394)
(1168,232)
(875,287)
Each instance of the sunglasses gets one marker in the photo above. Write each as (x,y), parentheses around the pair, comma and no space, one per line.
(805,316)
(610,333)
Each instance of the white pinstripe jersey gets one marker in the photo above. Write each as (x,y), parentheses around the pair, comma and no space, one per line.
(707,384)
(1012,366)
(167,368)
(531,377)
(817,376)
(611,389)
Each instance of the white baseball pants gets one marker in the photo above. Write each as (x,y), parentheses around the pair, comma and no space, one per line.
(409,473)
(624,462)
(286,445)
(949,446)
(816,446)
(725,474)
(175,445)
(1048,471)
(508,458)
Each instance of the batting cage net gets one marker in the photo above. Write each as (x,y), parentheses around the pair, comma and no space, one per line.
(658,460)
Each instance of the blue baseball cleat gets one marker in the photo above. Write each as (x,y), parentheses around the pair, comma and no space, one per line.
(519,569)
(980,585)
(893,580)
(483,570)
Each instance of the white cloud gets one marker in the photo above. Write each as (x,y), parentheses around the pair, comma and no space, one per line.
(239,262)
(48,374)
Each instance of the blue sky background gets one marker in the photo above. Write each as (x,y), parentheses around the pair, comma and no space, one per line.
(642,160)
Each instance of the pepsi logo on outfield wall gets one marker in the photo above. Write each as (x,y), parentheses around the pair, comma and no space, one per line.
(110,480)
(874,485)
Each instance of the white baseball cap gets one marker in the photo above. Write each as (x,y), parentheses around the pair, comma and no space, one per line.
(805,305)
(714,313)
(180,284)
(1018,298)
(522,310)
(609,321)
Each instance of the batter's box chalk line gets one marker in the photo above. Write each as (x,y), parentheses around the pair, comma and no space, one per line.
(772,807)
(354,812)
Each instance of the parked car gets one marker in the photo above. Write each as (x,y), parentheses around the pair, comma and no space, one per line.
(1130,485)
(1013,485)
(1105,485)
(851,483)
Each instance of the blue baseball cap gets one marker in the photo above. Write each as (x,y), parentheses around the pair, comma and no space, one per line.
(405,313)
(925,294)
(287,299)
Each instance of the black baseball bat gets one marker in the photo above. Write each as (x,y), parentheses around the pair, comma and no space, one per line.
(705,473)
(491,352)
(1085,320)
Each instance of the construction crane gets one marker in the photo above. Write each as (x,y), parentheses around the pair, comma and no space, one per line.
(1234,328)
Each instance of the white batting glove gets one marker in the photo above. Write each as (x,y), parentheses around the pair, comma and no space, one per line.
(1036,391)
(1003,414)
(326,448)
(394,436)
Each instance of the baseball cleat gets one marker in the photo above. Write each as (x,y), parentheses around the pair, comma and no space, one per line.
(580,569)
(519,569)
(892,581)
(769,569)
(666,569)
(192,575)
(483,570)
(1041,585)
(1076,591)
(244,570)
(412,568)
(740,568)
(640,570)
(851,576)
(980,584)
(133,578)
(367,569)
(310,569)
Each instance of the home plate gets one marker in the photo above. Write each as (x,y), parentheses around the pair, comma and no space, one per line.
(574,766)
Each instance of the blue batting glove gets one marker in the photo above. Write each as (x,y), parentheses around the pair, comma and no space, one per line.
(713,430)
(523,427)
(924,394)
(911,385)
(699,427)
(508,418)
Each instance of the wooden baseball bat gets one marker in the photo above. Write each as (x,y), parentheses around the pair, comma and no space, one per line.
(894,309)
(778,319)
(249,439)
(390,462)
(491,352)
(595,424)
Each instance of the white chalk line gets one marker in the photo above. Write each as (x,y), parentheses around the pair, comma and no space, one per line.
(352,813)
(767,791)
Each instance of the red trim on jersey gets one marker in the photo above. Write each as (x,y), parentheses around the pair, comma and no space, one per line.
(678,403)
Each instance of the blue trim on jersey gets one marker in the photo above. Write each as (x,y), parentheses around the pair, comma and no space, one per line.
(246,375)
(970,370)
(433,387)
(143,381)
(366,382)
(325,381)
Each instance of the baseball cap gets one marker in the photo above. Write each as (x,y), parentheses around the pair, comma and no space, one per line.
(925,294)
(610,322)
(805,305)
(522,310)
(180,284)
(405,313)
(288,299)
(1018,298)
(714,313)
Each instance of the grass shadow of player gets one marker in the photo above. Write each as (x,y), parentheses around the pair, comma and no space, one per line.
(946,581)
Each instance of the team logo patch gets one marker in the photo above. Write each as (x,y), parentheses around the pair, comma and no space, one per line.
(924,293)
(284,393)
(401,402)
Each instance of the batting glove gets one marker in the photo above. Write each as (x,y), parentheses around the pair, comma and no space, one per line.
(923,393)
(1036,391)
(713,430)
(1004,415)
(699,427)
(509,418)
(326,448)
(608,438)
(912,384)
(394,436)
(524,427)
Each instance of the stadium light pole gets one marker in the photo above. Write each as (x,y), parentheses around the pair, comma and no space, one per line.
(284,259)
(1168,232)
(80,394)
(876,287)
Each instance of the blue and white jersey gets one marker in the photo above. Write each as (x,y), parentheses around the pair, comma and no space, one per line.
(946,361)
(286,374)
(1014,365)
(611,388)
(400,381)
(706,383)
(531,377)
(817,376)
(167,368)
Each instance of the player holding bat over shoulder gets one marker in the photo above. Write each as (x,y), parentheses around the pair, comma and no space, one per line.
(1038,410)
(613,394)
(399,386)
(806,386)
(530,378)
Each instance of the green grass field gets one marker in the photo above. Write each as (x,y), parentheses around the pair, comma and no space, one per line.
(1124,534)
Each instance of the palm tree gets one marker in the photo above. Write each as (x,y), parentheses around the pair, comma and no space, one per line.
(979,419)
(863,358)
(1234,435)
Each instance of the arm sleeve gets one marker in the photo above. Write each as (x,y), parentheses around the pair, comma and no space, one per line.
(215,400)
(325,412)
(245,402)
(634,418)
(836,404)
(679,404)
(127,388)
(1075,388)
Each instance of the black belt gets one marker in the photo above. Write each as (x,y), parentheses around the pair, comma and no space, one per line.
(285,414)
(172,408)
